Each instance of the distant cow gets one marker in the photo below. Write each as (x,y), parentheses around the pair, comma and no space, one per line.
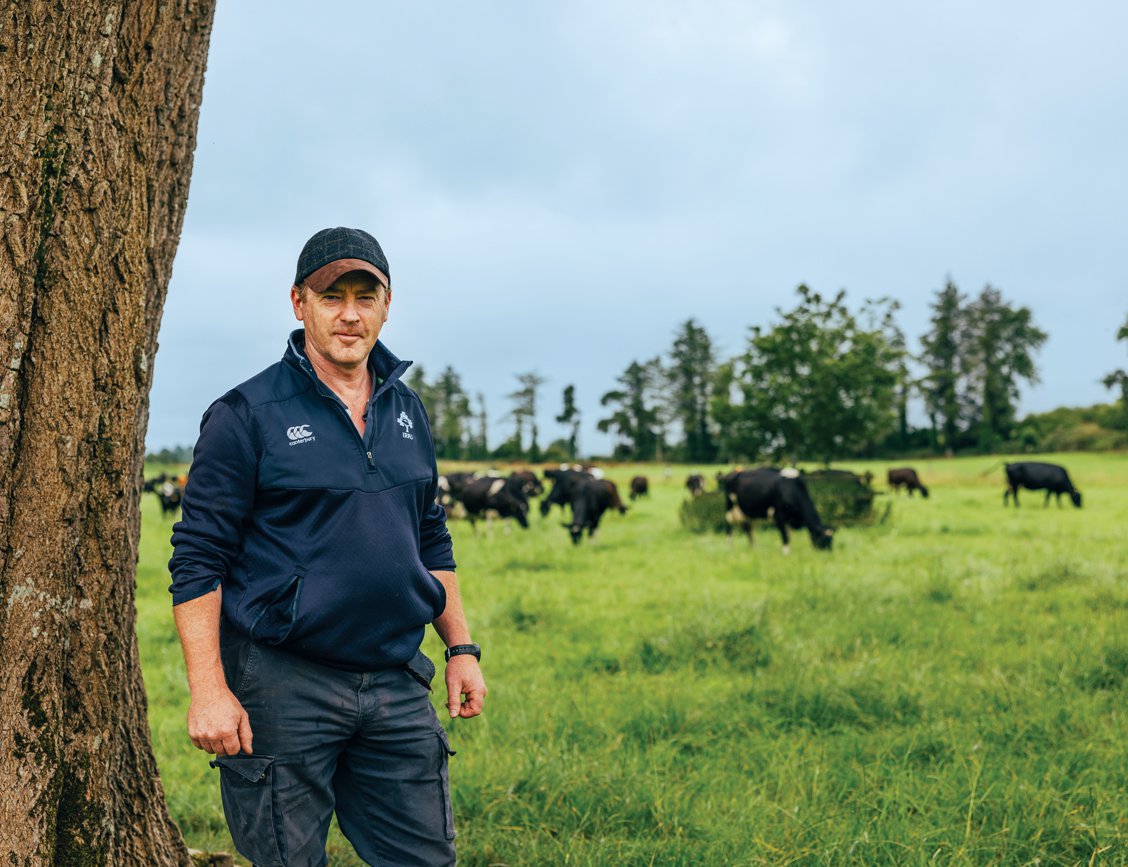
(590,498)
(451,486)
(695,484)
(778,494)
(491,497)
(640,487)
(533,486)
(170,494)
(562,482)
(906,477)
(1036,476)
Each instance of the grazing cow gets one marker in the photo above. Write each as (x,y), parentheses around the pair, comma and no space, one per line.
(906,477)
(640,487)
(533,486)
(778,494)
(451,485)
(695,484)
(491,497)
(169,493)
(561,493)
(590,498)
(1037,476)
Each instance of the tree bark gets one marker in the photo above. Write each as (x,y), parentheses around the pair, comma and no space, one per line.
(98,109)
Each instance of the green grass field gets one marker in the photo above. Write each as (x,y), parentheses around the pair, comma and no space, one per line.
(945,688)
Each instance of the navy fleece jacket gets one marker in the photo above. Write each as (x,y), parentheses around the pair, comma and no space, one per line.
(321,538)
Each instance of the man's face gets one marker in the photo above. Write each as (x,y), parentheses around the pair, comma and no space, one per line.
(343,322)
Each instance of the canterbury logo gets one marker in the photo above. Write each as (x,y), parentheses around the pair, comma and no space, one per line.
(298,432)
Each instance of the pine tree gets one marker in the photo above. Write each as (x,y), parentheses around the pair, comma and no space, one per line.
(689,376)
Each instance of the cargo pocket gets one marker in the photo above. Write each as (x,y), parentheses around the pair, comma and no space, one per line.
(275,622)
(445,752)
(246,785)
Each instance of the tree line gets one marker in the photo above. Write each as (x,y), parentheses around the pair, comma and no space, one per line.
(825,380)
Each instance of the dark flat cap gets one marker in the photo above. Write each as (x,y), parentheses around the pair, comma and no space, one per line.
(333,252)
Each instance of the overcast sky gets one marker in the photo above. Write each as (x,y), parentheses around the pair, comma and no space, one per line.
(558,186)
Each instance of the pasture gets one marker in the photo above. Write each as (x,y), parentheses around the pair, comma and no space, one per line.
(945,688)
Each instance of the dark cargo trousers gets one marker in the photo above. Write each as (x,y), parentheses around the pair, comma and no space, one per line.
(366,745)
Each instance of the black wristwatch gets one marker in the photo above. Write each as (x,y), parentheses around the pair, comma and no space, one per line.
(461,649)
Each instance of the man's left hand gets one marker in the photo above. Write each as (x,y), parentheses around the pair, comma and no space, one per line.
(466,688)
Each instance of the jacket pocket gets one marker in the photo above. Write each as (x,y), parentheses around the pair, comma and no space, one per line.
(246,785)
(275,622)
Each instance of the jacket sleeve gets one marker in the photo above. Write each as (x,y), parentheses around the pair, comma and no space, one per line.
(217,500)
(435,547)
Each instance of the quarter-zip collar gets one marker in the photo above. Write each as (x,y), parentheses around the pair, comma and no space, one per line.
(386,368)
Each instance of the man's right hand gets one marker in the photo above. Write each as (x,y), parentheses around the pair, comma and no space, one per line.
(218,724)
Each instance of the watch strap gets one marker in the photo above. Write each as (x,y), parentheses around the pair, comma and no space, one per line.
(463,650)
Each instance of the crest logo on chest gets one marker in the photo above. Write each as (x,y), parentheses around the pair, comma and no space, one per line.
(407,424)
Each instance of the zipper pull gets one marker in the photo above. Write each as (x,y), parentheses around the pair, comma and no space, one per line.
(369,458)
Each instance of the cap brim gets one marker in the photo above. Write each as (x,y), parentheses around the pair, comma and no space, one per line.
(326,275)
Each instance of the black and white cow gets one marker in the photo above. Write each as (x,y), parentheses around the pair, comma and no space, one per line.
(170,494)
(491,497)
(1037,476)
(695,484)
(777,494)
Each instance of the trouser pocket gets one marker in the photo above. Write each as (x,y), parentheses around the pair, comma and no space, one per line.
(246,785)
(421,668)
(445,752)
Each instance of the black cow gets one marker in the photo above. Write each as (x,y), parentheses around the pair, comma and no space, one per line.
(590,498)
(778,494)
(695,484)
(562,482)
(1037,476)
(906,477)
(491,497)
(640,487)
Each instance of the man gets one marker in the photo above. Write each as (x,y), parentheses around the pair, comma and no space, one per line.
(308,561)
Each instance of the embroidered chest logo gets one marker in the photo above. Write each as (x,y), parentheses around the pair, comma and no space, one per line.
(299,433)
(407,424)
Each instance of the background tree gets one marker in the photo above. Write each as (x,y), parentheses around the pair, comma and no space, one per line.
(97,135)
(634,417)
(689,376)
(942,351)
(1119,378)
(525,410)
(453,412)
(819,384)
(1000,345)
(902,391)
(570,416)
(416,380)
(479,443)
(733,408)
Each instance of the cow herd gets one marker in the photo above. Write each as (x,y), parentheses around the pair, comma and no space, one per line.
(582,491)
(584,495)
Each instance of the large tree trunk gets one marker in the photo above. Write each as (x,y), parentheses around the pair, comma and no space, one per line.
(98,109)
